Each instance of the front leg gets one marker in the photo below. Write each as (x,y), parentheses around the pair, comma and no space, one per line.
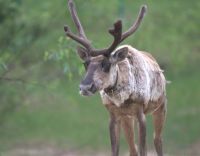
(114,128)
(142,132)
(128,126)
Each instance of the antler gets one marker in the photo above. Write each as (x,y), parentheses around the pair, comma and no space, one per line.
(136,24)
(116,32)
(82,39)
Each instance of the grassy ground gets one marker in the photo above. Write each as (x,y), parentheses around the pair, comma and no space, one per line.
(60,117)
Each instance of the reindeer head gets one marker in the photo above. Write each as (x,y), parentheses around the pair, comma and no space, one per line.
(100,64)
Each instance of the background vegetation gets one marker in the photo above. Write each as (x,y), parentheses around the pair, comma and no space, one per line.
(40,72)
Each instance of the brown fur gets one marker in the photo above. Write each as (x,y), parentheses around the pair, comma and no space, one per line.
(130,82)
(134,87)
(134,108)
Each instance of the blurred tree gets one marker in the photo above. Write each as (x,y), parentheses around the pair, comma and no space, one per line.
(15,36)
(8,14)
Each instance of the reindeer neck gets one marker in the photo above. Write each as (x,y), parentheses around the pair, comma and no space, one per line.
(112,88)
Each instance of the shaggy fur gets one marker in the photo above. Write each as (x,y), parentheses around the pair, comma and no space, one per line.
(133,86)
(139,78)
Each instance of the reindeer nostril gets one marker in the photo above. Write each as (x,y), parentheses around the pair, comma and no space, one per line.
(82,88)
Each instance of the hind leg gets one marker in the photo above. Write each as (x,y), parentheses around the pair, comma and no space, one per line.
(142,132)
(158,121)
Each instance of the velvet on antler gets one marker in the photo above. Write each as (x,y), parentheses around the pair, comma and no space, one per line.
(116,32)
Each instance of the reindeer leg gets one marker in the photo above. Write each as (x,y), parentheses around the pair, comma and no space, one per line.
(142,132)
(158,121)
(114,135)
(128,126)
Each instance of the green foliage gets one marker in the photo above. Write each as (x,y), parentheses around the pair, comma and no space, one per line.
(66,56)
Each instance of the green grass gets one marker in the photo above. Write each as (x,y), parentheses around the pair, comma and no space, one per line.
(63,117)
(184,110)
(57,116)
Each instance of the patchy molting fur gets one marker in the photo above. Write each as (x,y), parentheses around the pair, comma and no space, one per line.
(139,78)
(103,80)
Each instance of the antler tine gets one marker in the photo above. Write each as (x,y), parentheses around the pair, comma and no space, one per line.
(116,32)
(136,24)
(119,36)
(75,18)
(76,38)
(81,38)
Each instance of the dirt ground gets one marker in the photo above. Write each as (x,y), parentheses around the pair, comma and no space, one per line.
(194,150)
(53,152)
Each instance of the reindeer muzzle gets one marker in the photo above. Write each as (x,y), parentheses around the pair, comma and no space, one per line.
(87,90)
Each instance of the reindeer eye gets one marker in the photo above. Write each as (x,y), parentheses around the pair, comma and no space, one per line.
(86,65)
(105,65)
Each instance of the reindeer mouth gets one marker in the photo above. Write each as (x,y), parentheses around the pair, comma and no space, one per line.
(88,92)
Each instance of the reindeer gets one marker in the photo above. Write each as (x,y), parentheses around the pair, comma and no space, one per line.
(130,82)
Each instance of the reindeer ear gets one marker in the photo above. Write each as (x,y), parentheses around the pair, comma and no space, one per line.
(119,55)
(82,53)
